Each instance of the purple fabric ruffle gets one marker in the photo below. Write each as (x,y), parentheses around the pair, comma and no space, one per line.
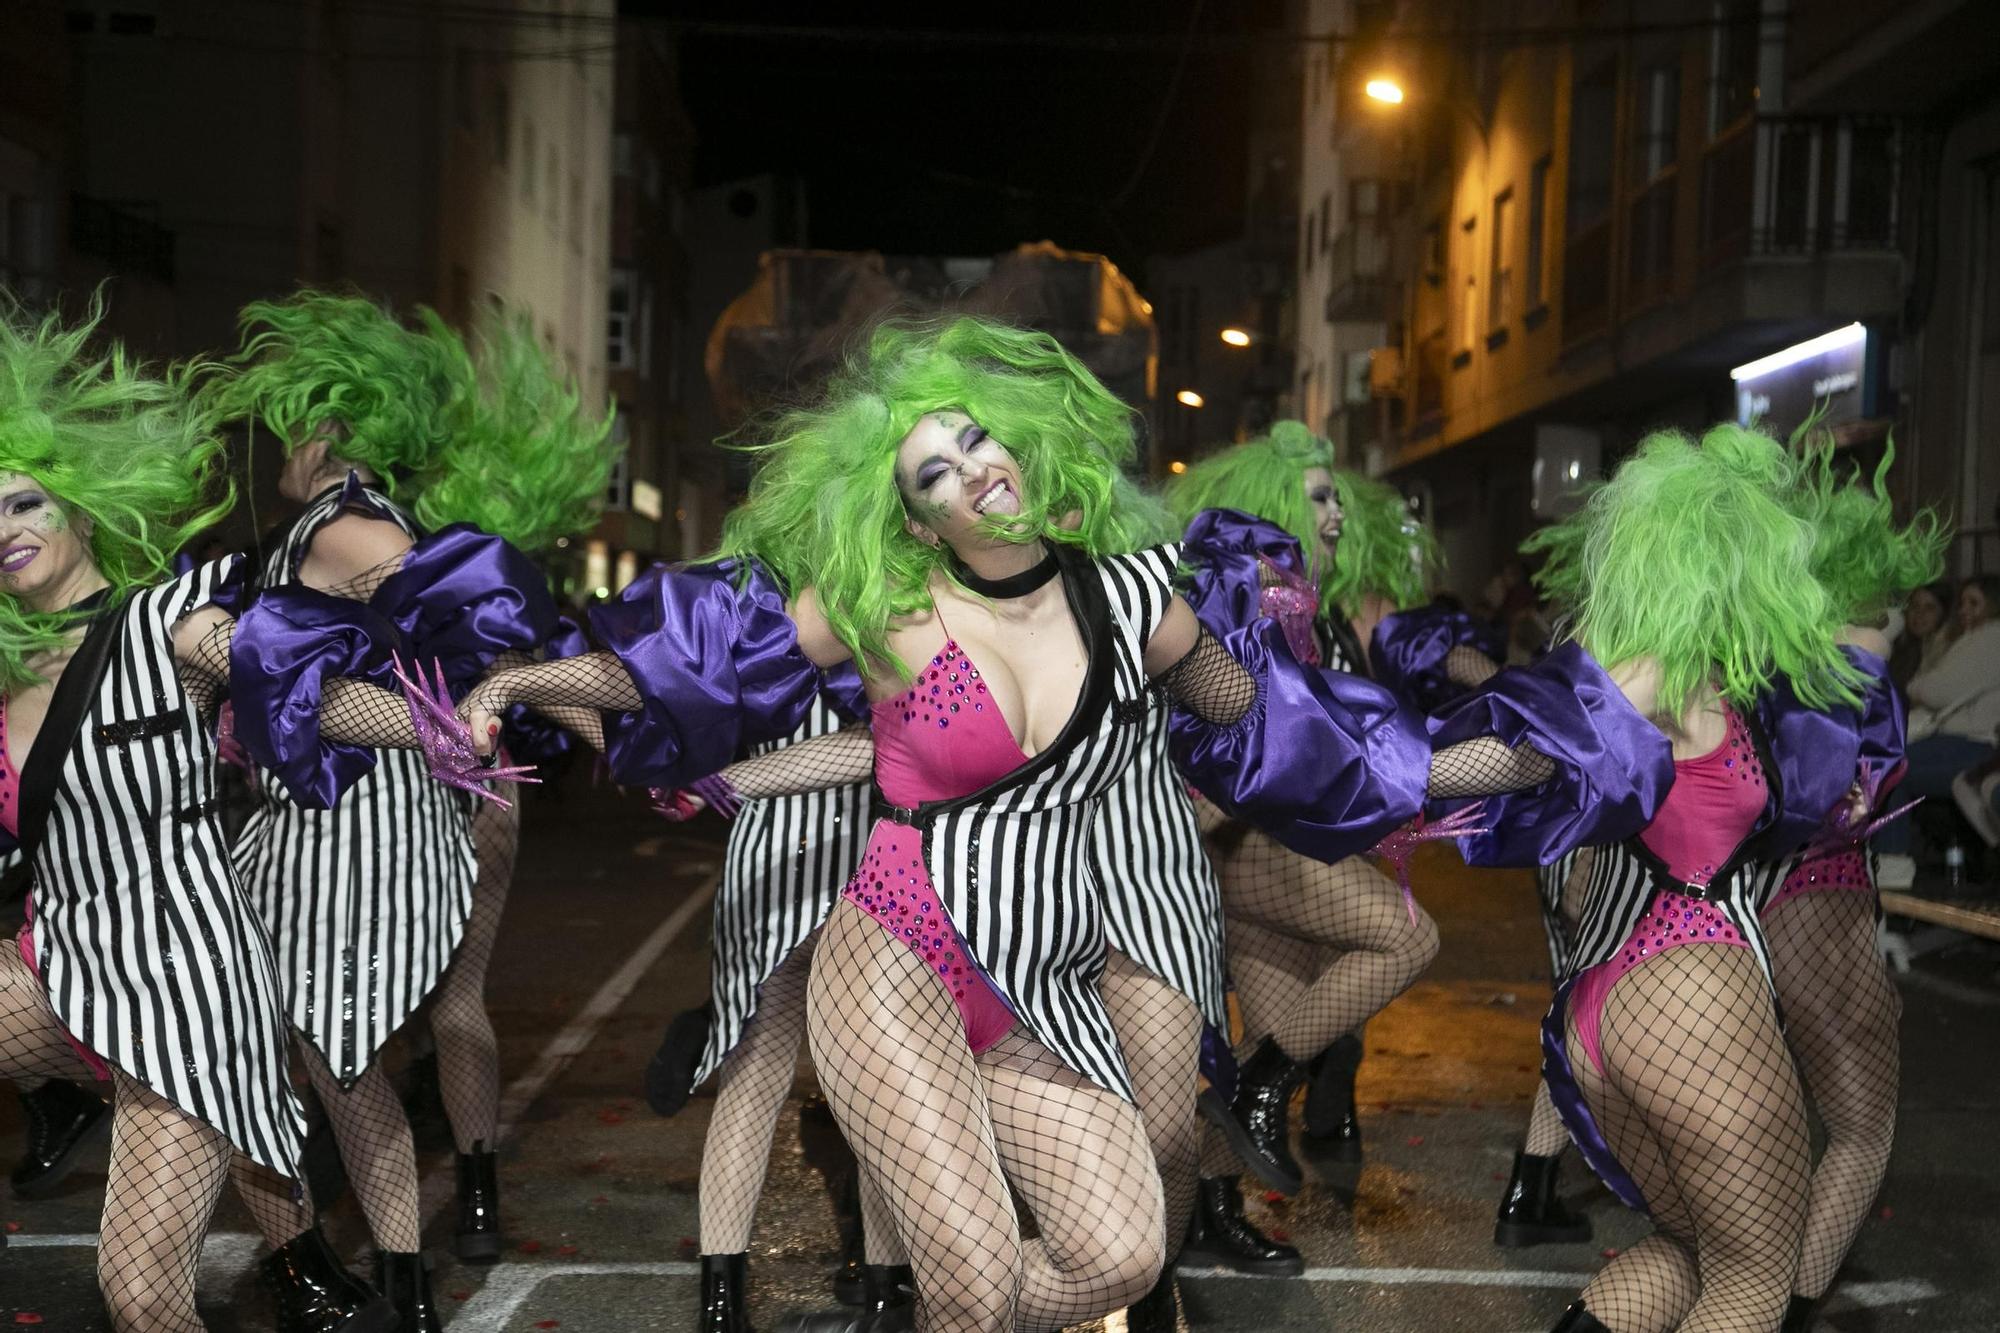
(462,598)
(1220,558)
(287,645)
(1613,767)
(1818,754)
(1326,763)
(718,665)
(1409,649)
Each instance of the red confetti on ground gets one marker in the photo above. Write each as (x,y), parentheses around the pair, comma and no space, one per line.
(1279,1234)
(461,1295)
(609,1116)
(601,1199)
(548,1323)
(530,1247)
(1497,1175)
(1415,1140)
(1885,1212)
(1609,1252)
(565,1250)
(1272,1196)
(27,1317)
(687,1245)
(13,1227)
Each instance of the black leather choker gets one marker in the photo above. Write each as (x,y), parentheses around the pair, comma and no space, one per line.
(1014,585)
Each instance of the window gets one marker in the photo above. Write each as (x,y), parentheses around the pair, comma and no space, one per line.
(530,162)
(1536,288)
(1468,314)
(1499,287)
(620,345)
(1592,114)
(618,490)
(1656,119)
(1732,73)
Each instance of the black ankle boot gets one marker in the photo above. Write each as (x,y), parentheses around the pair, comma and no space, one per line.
(478,1238)
(850,1283)
(64,1121)
(401,1277)
(1219,1236)
(1530,1212)
(1331,1122)
(1799,1315)
(314,1294)
(1256,1123)
(1158,1311)
(889,1306)
(725,1294)
(670,1073)
(1576,1319)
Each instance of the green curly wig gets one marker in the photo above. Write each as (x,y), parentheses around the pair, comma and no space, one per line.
(1866,563)
(125,448)
(491,433)
(1377,531)
(1697,555)
(523,459)
(1384,551)
(824,511)
(318,360)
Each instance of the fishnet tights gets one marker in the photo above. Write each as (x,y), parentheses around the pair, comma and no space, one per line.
(468,1054)
(1701,1104)
(281,1208)
(754,1080)
(1315,950)
(1546,1135)
(1159,1031)
(167,1171)
(32,1045)
(1841,1012)
(1468,667)
(940,1135)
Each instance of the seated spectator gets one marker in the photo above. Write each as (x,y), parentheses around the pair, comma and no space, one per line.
(1925,635)
(1954,712)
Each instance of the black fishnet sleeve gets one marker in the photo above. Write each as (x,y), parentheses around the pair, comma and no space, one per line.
(838,759)
(1487,766)
(572,692)
(1468,667)
(364,585)
(1209,683)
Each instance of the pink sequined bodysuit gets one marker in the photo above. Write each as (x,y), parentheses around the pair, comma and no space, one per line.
(1713,806)
(941,739)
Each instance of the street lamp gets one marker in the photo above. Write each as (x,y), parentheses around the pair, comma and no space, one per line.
(1189,398)
(1382,88)
(1236,337)
(1177,467)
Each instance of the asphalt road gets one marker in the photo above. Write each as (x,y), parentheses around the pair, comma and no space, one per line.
(605,939)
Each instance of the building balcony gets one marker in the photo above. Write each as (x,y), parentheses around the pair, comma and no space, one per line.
(1778,186)
(1358,276)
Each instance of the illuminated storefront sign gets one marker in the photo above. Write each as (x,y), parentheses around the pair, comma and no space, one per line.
(1831,372)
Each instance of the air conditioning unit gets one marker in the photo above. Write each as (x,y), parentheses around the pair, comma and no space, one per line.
(1385,372)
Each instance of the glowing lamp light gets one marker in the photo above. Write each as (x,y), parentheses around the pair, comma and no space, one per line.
(1189,398)
(602,593)
(1797,352)
(1236,337)
(1177,467)
(1384,90)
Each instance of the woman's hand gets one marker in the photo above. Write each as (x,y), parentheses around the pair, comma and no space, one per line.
(482,710)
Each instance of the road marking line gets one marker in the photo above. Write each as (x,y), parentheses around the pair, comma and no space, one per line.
(510,1285)
(440,1183)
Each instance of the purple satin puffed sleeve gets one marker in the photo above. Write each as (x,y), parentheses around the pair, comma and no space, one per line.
(1884,718)
(1817,754)
(1613,767)
(287,646)
(1220,567)
(718,665)
(1409,650)
(463,597)
(1328,764)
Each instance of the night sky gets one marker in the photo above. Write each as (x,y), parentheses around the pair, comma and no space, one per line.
(918,132)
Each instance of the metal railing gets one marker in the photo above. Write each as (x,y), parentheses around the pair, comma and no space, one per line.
(1802,185)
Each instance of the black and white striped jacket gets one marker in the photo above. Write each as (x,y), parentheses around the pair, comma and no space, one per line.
(366,902)
(148,950)
(787,860)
